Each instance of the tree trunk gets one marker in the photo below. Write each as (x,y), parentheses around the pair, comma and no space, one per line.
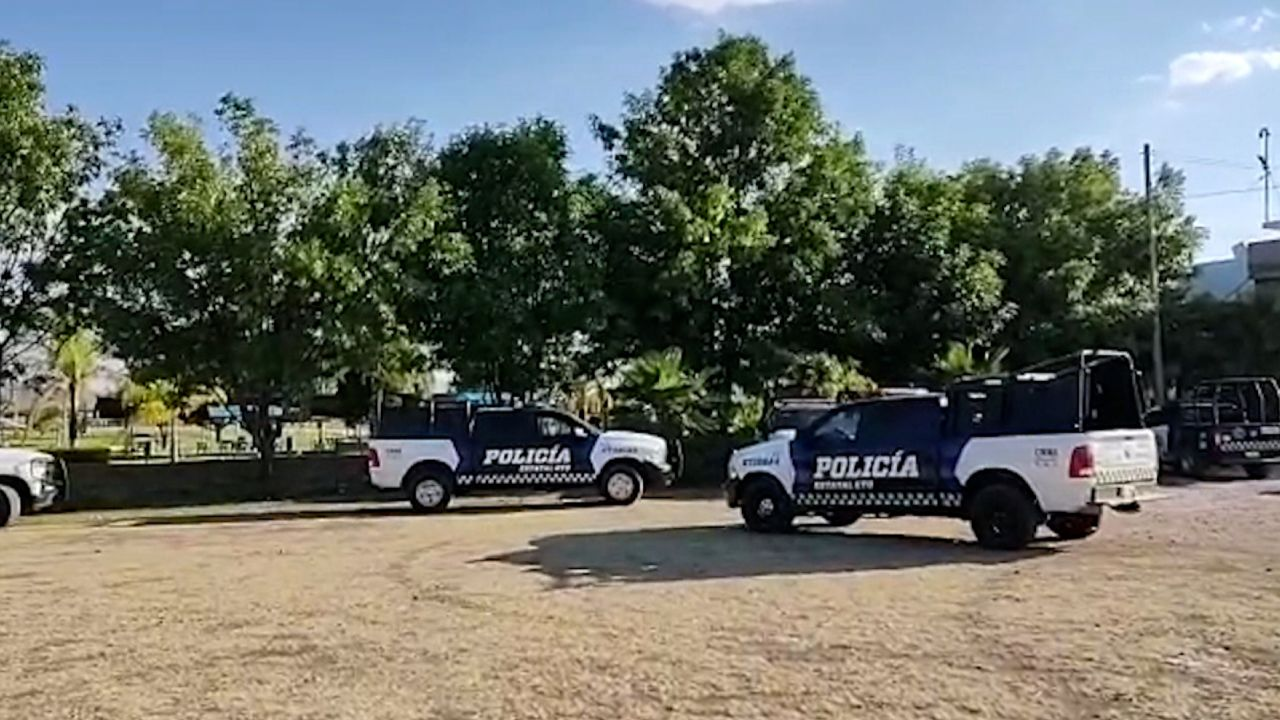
(73,413)
(264,438)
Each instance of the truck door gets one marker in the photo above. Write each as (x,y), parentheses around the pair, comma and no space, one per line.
(879,456)
(570,444)
(899,442)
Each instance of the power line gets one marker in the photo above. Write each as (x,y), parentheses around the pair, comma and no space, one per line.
(1208,162)
(1219,193)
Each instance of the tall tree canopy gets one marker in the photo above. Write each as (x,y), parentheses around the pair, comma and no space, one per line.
(738,194)
(47,162)
(515,313)
(1074,240)
(245,269)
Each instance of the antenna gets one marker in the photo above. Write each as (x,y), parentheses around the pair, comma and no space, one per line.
(1265,158)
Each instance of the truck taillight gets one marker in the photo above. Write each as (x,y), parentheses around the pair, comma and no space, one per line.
(1081,462)
(373,458)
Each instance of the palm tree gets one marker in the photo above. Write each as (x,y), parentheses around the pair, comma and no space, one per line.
(76,360)
(962,360)
(659,389)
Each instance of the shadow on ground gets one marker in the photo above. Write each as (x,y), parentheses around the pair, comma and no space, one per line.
(401,510)
(704,553)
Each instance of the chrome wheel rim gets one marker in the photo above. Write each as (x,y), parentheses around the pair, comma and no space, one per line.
(429,493)
(620,486)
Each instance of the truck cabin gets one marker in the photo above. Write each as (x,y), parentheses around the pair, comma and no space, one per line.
(1090,391)
(1228,401)
(457,419)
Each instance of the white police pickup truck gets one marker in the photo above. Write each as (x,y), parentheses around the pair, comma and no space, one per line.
(29,482)
(445,449)
(1051,445)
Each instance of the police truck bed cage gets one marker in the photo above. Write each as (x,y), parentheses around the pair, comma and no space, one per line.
(1086,391)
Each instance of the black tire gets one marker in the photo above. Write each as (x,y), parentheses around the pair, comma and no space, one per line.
(10,506)
(767,509)
(1075,526)
(841,518)
(1003,517)
(621,484)
(1256,472)
(429,490)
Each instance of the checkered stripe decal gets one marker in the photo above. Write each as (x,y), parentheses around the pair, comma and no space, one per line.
(1250,445)
(499,479)
(880,499)
(1125,476)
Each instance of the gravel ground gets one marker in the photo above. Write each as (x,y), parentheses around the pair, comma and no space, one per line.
(663,610)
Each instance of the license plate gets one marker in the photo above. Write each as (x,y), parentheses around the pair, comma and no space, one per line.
(1253,454)
(1120,494)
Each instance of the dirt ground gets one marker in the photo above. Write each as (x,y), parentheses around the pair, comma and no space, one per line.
(664,610)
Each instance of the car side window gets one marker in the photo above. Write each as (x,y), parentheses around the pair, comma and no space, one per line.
(504,427)
(840,427)
(550,426)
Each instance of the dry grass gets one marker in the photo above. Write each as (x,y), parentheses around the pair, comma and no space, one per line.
(664,610)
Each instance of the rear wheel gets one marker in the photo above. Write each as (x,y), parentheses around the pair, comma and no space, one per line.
(1074,526)
(621,485)
(766,508)
(10,506)
(1003,518)
(841,518)
(429,491)
(1256,471)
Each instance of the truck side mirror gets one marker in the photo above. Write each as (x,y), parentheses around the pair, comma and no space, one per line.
(579,432)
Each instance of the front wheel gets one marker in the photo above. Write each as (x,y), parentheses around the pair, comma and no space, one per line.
(621,485)
(1256,471)
(10,506)
(429,492)
(1074,526)
(1003,518)
(767,509)
(841,518)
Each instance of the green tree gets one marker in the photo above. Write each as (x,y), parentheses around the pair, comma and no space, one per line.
(156,403)
(378,221)
(47,163)
(222,268)
(920,274)
(76,359)
(739,193)
(1075,249)
(515,312)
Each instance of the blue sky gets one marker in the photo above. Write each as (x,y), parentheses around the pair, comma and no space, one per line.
(955,79)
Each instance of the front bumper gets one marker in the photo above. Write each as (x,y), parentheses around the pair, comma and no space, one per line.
(731,492)
(43,495)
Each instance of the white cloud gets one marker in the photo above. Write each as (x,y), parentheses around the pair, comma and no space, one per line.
(1241,24)
(1208,67)
(712,7)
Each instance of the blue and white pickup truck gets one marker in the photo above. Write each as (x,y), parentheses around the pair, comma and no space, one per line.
(1052,445)
(442,450)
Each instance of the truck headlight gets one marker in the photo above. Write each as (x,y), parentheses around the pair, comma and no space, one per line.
(39,470)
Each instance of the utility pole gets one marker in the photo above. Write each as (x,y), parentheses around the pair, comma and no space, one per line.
(1157,330)
(1265,158)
